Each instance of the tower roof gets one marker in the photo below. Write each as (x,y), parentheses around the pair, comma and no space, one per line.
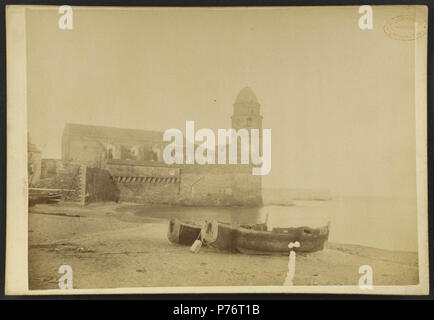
(246,95)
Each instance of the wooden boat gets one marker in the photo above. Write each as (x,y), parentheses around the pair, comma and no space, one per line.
(248,240)
(187,232)
(183,232)
(47,196)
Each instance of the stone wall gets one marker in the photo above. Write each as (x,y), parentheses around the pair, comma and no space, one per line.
(95,152)
(66,175)
(219,185)
(83,150)
(145,183)
(154,183)
(49,168)
(190,185)
(99,186)
(34,163)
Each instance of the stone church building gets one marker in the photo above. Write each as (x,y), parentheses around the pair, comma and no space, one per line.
(133,162)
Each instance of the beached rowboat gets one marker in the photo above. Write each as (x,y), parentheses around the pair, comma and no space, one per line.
(240,239)
(40,195)
(183,232)
(187,232)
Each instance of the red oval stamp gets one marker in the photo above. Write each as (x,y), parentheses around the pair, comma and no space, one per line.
(405,28)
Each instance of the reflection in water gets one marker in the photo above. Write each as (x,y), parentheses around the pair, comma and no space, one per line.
(387,223)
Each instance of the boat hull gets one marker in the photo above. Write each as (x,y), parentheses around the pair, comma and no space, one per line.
(238,239)
(219,235)
(182,232)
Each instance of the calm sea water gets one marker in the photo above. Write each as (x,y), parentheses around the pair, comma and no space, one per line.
(386,223)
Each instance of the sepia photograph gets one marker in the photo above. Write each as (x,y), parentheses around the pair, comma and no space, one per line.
(217,150)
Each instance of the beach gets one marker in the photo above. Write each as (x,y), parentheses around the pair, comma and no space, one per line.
(108,245)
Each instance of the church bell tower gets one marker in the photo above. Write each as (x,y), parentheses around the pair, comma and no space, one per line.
(247,112)
(247,116)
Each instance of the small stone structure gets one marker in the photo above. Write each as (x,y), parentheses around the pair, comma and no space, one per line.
(65,175)
(34,163)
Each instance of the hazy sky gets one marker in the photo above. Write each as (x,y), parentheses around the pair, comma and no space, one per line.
(339,100)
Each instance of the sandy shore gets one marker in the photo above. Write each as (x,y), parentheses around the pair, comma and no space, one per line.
(108,246)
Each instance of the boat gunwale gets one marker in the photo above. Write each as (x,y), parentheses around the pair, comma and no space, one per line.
(247,230)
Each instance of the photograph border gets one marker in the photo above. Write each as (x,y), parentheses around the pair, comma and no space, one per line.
(423,114)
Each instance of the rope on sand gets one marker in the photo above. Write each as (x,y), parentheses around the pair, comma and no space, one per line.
(197,244)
